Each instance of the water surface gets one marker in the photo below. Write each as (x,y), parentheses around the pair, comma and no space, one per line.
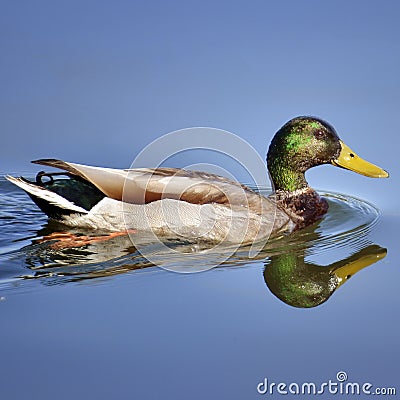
(101,316)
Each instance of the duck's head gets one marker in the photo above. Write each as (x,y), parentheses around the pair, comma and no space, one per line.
(305,142)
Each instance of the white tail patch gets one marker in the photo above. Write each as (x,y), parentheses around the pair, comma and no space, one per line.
(47,195)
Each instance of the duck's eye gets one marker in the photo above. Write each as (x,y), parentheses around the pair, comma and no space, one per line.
(319,134)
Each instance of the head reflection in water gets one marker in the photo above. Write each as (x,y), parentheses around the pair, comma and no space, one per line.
(302,284)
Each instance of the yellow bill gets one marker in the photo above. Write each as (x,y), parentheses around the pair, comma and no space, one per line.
(346,271)
(350,160)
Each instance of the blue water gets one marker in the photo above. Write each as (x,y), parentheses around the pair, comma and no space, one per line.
(99,321)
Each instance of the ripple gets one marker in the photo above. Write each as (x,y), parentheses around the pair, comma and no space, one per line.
(345,228)
(347,223)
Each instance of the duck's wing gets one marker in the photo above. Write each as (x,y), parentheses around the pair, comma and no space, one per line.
(144,185)
(108,180)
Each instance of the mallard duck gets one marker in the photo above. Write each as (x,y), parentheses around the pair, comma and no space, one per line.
(177,203)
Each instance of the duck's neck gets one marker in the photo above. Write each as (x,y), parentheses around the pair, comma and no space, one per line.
(304,206)
(286,178)
(292,193)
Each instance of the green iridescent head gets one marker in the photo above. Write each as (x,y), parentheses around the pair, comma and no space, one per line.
(302,143)
(305,142)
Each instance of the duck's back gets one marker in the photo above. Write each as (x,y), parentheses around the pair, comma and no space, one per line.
(176,203)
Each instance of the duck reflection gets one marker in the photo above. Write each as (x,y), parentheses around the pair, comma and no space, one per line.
(65,256)
(302,284)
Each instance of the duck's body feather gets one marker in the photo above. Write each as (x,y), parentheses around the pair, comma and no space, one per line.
(167,202)
(145,185)
(58,205)
(171,218)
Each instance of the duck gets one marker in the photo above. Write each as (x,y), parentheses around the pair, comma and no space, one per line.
(195,205)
